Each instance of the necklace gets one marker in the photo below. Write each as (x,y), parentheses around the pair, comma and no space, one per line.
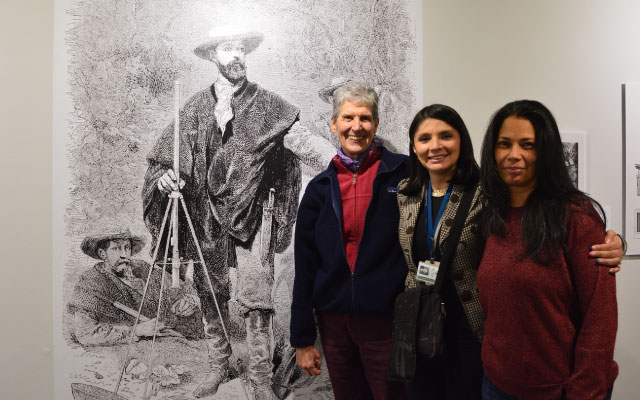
(438,192)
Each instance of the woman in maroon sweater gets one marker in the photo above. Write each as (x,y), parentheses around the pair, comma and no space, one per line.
(551,316)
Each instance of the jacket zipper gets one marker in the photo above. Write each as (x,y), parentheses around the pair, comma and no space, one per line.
(353,273)
(353,290)
(353,277)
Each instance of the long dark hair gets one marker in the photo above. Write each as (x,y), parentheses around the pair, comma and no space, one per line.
(467,170)
(546,212)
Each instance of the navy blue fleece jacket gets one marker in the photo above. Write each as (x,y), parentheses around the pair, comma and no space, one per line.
(323,280)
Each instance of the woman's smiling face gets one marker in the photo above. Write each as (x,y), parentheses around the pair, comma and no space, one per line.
(437,145)
(355,127)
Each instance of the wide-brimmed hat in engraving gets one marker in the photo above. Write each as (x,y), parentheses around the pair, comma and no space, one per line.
(90,243)
(228,33)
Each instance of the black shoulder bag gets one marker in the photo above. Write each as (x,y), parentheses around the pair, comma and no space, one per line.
(418,319)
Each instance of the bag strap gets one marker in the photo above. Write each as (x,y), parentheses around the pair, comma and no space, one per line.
(454,234)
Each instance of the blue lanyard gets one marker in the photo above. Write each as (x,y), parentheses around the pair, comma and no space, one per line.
(431,224)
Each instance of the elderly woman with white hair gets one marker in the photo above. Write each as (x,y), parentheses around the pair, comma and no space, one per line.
(348,262)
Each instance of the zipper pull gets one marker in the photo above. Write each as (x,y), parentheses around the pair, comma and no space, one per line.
(443,309)
(354,178)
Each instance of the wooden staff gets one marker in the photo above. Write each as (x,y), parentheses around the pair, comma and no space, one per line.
(175,265)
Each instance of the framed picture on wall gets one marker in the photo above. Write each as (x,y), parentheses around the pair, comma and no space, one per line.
(631,165)
(575,151)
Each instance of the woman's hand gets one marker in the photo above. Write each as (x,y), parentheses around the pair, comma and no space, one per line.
(308,358)
(609,253)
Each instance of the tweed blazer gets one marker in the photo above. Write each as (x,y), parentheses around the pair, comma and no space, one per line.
(468,253)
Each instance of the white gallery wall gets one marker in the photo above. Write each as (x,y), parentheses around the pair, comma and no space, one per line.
(571,55)
(26,55)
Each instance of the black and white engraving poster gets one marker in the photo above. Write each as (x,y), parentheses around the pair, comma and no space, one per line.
(164,292)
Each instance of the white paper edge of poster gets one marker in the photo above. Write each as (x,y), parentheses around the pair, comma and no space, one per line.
(61,181)
(631,140)
(579,137)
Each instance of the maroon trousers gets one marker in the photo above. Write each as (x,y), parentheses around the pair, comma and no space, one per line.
(357,349)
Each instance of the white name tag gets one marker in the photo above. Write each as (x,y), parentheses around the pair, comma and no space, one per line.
(428,271)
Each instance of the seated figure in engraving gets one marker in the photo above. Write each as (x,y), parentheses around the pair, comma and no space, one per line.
(107,297)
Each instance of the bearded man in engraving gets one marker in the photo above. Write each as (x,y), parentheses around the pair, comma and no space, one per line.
(104,293)
(238,141)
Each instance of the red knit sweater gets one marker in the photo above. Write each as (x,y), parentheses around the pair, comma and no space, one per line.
(355,190)
(546,331)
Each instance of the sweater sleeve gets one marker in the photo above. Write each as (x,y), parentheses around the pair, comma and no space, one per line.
(595,297)
(307,261)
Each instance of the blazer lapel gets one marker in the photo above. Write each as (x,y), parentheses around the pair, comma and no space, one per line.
(449,214)
(409,210)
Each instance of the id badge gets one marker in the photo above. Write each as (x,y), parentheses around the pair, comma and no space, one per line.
(428,271)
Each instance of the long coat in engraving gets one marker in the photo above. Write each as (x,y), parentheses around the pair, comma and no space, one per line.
(234,171)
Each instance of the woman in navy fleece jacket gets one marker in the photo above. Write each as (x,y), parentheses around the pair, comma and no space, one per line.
(348,261)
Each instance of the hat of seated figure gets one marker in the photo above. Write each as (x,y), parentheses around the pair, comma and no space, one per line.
(228,33)
(90,243)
